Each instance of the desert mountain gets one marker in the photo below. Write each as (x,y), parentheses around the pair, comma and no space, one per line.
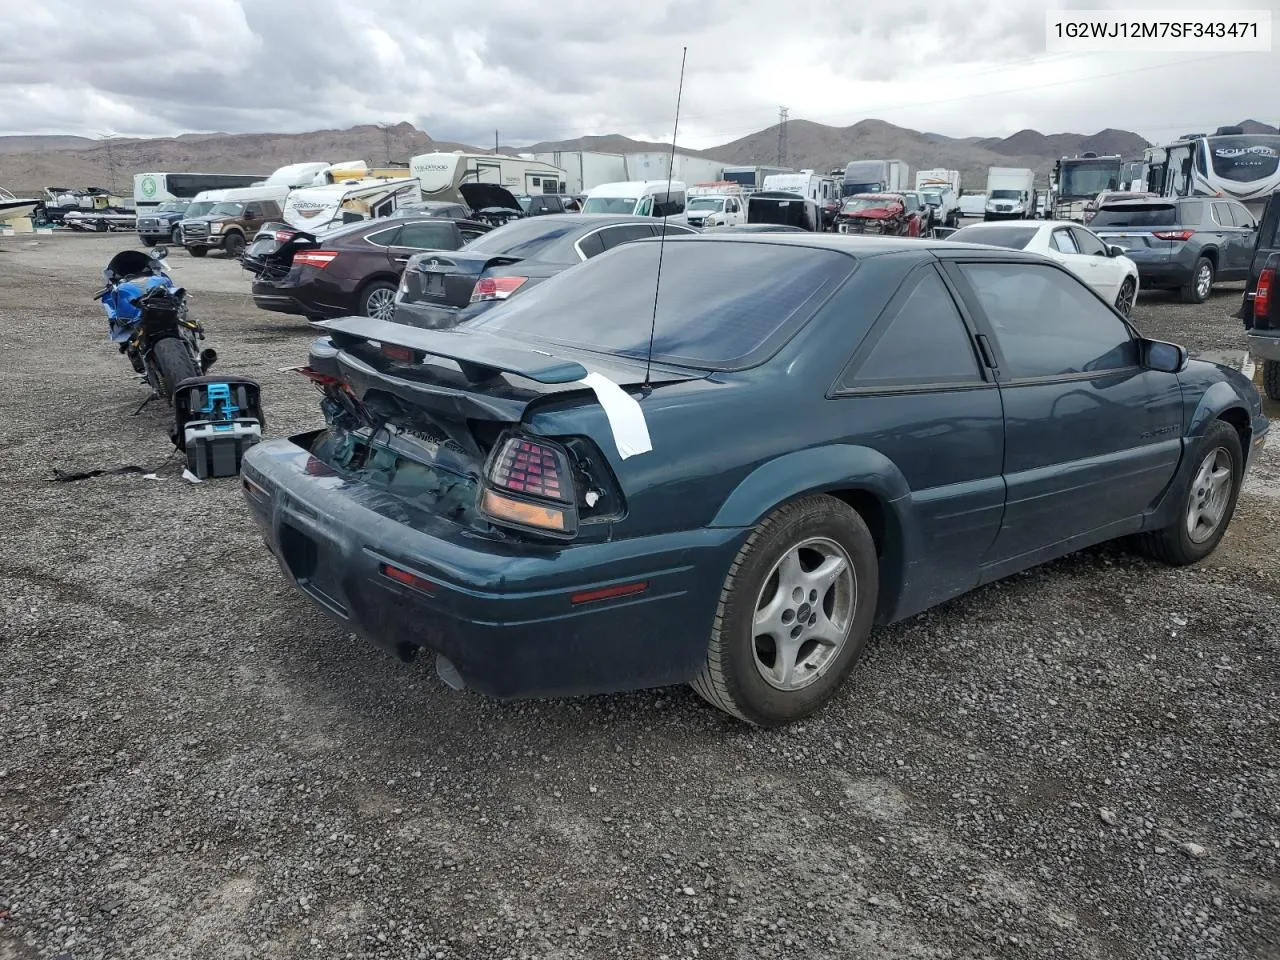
(29,163)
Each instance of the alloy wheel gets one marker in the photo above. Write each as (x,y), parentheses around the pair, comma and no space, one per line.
(1128,294)
(1204,280)
(1210,494)
(381,304)
(803,613)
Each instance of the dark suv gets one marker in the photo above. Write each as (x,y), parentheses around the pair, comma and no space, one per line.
(1181,243)
(227,225)
(1261,307)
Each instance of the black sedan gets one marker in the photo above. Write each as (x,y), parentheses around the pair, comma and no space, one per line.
(354,269)
(440,290)
(804,437)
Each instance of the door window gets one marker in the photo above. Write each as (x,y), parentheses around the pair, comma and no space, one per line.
(1063,242)
(1222,214)
(1088,242)
(645,206)
(924,341)
(434,235)
(1240,216)
(624,233)
(1047,323)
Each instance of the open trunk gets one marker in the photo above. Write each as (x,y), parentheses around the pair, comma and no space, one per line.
(417,413)
(270,256)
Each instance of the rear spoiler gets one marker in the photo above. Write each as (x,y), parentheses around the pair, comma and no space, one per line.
(479,361)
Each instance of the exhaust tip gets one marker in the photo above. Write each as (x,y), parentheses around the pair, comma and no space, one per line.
(447,672)
(208,357)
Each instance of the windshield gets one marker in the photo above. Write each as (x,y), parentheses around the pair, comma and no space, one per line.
(706,203)
(227,209)
(609,205)
(931,198)
(1006,195)
(723,305)
(1245,158)
(1015,238)
(1136,215)
(874,186)
(524,238)
(859,204)
(1081,181)
(172,206)
(199,209)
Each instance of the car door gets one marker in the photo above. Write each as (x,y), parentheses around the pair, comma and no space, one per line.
(1247,234)
(252,218)
(1109,271)
(916,392)
(1229,252)
(1064,249)
(418,235)
(1091,438)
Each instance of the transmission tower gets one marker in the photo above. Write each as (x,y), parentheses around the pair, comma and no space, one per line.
(783,113)
(386,139)
(106,139)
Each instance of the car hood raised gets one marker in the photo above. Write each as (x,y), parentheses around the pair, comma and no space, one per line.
(482,195)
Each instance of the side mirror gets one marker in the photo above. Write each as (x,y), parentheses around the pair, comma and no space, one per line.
(159,252)
(1163,357)
(1115,251)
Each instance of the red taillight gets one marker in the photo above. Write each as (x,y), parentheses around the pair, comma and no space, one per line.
(496,288)
(1262,298)
(532,469)
(314,258)
(316,377)
(398,353)
(1171,234)
(284,236)
(407,579)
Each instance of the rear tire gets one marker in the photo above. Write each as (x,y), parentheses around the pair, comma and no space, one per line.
(198,251)
(1198,288)
(785,633)
(148,241)
(378,300)
(1125,298)
(175,364)
(1271,379)
(1207,504)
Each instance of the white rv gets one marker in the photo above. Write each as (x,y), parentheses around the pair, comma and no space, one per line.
(440,174)
(640,198)
(319,209)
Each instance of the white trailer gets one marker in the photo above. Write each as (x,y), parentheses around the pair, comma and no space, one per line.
(441,173)
(752,179)
(585,169)
(658,166)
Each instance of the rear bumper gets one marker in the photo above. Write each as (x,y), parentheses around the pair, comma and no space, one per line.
(500,612)
(1160,271)
(428,316)
(295,299)
(1264,347)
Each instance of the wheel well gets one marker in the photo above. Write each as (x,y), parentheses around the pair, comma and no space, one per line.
(387,278)
(1240,420)
(887,536)
(1211,254)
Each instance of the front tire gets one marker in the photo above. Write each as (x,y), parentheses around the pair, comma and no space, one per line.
(1125,298)
(148,241)
(176,237)
(198,251)
(794,614)
(1271,379)
(233,244)
(175,364)
(1208,502)
(1198,288)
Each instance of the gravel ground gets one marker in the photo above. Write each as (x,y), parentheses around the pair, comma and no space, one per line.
(1078,762)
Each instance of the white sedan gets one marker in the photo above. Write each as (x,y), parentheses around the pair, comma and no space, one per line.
(1106,269)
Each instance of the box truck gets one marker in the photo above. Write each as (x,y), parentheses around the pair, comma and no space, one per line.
(1010,194)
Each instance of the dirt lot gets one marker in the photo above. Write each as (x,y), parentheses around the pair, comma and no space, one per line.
(1079,762)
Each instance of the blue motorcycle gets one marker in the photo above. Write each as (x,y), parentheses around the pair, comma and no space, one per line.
(147,319)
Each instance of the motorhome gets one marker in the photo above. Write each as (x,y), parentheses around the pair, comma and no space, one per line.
(751,179)
(1077,181)
(875,176)
(1010,194)
(1227,163)
(720,203)
(640,198)
(153,189)
(319,209)
(439,174)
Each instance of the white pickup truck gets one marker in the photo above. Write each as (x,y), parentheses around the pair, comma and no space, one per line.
(719,204)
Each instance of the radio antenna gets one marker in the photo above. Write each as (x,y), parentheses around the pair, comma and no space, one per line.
(666,209)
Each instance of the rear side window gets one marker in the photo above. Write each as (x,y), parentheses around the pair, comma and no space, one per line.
(1141,215)
(612,237)
(924,341)
(721,306)
(436,235)
(383,238)
(1063,242)
(1047,323)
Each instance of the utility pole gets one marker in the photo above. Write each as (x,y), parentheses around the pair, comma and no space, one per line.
(783,113)
(495,141)
(106,138)
(386,140)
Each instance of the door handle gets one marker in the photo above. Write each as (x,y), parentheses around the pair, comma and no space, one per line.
(402,259)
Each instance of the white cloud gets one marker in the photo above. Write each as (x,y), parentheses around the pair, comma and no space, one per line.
(574,67)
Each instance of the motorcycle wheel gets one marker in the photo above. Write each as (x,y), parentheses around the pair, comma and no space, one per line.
(175,363)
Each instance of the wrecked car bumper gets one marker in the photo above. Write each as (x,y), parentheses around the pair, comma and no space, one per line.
(514,619)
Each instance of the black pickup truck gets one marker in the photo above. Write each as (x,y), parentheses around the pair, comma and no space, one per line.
(1260,310)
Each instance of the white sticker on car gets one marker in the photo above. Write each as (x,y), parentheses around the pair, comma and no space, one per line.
(626,419)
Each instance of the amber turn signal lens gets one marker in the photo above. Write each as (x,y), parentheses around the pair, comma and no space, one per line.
(527,514)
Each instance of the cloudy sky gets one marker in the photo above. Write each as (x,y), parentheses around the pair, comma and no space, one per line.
(460,69)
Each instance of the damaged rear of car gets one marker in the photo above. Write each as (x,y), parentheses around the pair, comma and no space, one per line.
(479,492)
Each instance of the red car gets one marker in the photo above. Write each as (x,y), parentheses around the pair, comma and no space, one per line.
(882,213)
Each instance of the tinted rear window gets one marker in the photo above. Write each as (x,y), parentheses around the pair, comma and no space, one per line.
(721,306)
(525,238)
(1136,215)
(1014,238)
